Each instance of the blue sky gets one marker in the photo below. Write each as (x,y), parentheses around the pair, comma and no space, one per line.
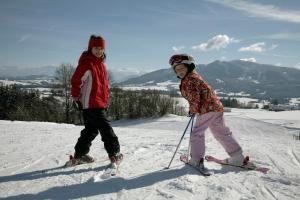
(141,35)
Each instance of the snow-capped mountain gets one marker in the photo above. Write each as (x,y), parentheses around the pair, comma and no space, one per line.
(256,80)
(123,74)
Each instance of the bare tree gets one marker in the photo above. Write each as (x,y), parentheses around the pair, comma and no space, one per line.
(63,75)
(110,77)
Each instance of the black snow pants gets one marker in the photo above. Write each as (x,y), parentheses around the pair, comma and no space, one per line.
(95,121)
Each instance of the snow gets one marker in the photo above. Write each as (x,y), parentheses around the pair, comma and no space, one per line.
(295,100)
(27,82)
(32,155)
(169,83)
(162,86)
(287,119)
(244,100)
(143,87)
(8,82)
(219,81)
(242,94)
(256,81)
(183,102)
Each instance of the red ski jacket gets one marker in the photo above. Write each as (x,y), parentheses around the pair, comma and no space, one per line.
(90,82)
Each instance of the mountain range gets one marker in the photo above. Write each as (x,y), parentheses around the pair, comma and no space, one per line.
(16,72)
(257,80)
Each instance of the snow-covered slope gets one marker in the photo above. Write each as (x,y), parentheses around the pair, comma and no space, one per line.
(32,154)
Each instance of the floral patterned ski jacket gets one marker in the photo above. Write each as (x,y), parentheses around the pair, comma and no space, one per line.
(200,95)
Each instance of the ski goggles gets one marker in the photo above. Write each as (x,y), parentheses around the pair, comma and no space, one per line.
(177,59)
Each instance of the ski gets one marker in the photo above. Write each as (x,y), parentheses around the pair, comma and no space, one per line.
(73,162)
(112,169)
(249,166)
(184,159)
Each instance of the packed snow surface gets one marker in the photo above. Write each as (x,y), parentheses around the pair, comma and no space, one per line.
(32,155)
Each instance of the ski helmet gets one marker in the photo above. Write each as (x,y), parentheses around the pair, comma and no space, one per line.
(178,59)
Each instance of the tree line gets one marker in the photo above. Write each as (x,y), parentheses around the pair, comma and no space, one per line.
(30,105)
(234,103)
(140,104)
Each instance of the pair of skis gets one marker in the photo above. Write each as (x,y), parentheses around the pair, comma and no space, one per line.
(249,166)
(203,171)
(73,162)
(110,170)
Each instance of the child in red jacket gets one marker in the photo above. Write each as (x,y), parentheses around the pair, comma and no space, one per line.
(90,92)
(208,109)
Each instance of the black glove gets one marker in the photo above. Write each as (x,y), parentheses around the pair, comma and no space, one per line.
(77,105)
(190,114)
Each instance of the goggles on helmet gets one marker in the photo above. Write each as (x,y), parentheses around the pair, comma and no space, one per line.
(181,59)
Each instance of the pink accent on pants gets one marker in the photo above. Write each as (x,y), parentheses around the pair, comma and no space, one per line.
(215,121)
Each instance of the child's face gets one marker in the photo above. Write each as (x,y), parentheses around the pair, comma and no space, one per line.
(97,51)
(181,70)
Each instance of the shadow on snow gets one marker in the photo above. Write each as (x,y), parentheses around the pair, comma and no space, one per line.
(91,188)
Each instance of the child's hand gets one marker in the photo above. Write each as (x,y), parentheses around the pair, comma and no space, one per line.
(77,105)
(190,114)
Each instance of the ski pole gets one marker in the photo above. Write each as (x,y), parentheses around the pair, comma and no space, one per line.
(80,117)
(189,148)
(180,142)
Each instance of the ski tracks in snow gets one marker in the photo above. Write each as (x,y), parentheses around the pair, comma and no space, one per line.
(148,148)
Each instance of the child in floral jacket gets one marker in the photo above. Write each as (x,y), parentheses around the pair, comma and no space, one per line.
(205,104)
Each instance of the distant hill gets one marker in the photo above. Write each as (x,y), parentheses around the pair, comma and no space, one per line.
(259,80)
(15,73)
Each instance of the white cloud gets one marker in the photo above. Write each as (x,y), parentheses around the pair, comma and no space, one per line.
(285,36)
(223,58)
(177,49)
(279,55)
(257,47)
(278,64)
(215,43)
(297,65)
(274,46)
(248,59)
(24,38)
(262,10)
